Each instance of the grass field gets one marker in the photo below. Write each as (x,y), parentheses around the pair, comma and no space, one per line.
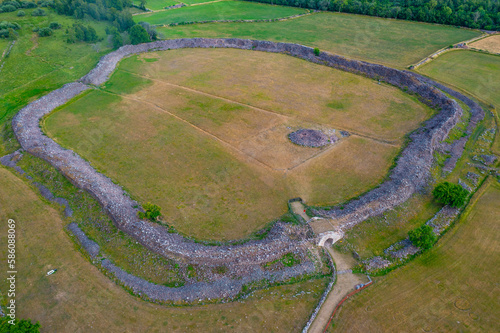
(223,10)
(392,42)
(37,65)
(476,73)
(234,168)
(157,4)
(453,287)
(79,298)
(490,44)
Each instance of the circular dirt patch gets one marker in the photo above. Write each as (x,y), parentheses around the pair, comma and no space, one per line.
(462,304)
(310,138)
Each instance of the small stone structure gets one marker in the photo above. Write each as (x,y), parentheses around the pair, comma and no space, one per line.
(311,138)
(325,237)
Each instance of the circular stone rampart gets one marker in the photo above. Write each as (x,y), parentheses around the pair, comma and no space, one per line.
(410,174)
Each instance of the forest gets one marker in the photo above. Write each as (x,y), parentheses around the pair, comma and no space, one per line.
(476,14)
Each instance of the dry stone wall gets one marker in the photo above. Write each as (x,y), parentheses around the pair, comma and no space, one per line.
(244,260)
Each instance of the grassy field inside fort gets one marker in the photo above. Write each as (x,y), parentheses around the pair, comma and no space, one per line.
(79,298)
(234,168)
(452,287)
(223,10)
(354,36)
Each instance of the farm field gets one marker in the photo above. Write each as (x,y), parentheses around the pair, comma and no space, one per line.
(490,44)
(222,10)
(452,287)
(394,43)
(82,299)
(476,73)
(235,169)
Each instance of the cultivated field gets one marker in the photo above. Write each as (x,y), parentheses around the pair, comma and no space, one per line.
(450,288)
(79,298)
(223,10)
(490,44)
(234,168)
(391,42)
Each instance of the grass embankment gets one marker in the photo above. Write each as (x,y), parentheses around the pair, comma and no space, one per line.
(234,168)
(452,287)
(394,43)
(223,10)
(79,298)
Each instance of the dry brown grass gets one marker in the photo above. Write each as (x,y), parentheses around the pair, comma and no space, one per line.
(490,44)
(219,163)
(289,86)
(79,298)
(453,287)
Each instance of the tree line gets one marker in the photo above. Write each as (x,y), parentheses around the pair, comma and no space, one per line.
(477,14)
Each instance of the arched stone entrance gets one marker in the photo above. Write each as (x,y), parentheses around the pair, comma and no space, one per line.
(329,238)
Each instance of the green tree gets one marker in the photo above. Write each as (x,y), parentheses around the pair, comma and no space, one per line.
(422,237)
(450,194)
(138,35)
(20,326)
(151,212)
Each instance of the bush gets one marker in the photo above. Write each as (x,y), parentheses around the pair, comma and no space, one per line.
(450,194)
(138,35)
(20,325)
(21,13)
(7,9)
(152,212)
(38,12)
(422,237)
(316,51)
(80,33)
(55,25)
(45,32)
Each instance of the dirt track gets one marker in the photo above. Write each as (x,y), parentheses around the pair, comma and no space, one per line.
(346,281)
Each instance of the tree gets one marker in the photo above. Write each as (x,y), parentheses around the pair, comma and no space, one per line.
(20,326)
(423,237)
(138,35)
(151,212)
(142,4)
(44,32)
(450,194)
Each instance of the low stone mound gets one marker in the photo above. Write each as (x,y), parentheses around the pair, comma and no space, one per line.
(310,138)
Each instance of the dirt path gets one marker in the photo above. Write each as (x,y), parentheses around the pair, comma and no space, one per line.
(299,209)
(346,281)
(34,40)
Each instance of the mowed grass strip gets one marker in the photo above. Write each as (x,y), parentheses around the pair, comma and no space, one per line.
(453,287)
(79,298)
(287,86)
(223,10)
(395,43)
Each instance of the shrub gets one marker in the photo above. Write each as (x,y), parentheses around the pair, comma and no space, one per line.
(38,12)
(316,51)
(138,35)
(423,237)
(79,32)
(450,194)
(20,325)
(7,8)
(21,13)
(44,32)
(152,212)
(55,25)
